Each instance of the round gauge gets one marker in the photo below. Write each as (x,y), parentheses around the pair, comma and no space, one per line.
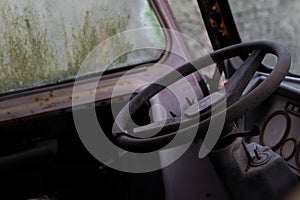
(275,130)
(288,149)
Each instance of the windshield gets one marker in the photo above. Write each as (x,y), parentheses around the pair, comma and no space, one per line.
(276,20)
(45,42)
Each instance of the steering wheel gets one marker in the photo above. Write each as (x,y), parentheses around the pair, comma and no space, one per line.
(237,105)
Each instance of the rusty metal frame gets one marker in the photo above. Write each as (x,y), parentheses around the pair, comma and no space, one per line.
(219,23)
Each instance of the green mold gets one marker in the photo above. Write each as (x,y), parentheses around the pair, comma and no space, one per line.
(28,58)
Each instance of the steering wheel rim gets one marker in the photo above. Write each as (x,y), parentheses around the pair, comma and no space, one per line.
(236,107)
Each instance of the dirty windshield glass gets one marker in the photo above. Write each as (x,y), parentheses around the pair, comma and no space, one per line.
(45,42)
(276,20)
(189,18)
(190,21)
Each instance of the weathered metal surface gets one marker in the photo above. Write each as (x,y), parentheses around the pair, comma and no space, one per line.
(219,23)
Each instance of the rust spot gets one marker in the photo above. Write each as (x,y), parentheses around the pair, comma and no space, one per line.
(47,107)
(10,115)
(37,99)
(47,99)
(70,98)
(51,94)
(50,106)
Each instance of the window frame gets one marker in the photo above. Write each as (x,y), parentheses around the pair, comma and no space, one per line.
(55,98)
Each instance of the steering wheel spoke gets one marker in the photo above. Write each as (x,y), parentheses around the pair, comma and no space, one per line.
(240,79)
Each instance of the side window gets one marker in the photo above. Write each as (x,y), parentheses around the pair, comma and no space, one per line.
(44,42)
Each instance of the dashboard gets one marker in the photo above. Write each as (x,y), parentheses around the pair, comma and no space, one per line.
(279,121)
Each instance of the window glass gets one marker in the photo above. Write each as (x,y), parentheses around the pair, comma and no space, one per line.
(276,20)
(190,21)
(189,18)
(43,41)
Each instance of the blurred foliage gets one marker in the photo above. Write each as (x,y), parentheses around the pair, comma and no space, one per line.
(276,20)
(29,58)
